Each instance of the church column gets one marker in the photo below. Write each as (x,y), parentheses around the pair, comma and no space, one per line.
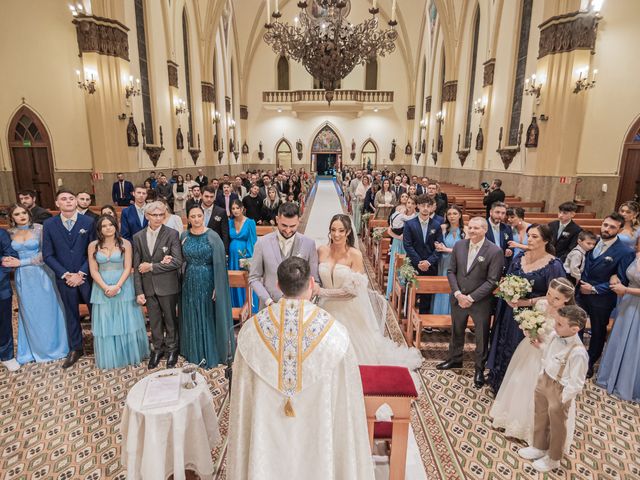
(178,113)
(485,119)
(447,144)
(208,113)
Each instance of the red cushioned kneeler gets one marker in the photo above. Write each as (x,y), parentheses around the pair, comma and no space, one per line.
(387,381)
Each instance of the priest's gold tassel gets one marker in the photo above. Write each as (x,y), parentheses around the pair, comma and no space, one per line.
(288,409)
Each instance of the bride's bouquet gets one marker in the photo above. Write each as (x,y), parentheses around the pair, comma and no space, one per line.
(533,323)
(512,288)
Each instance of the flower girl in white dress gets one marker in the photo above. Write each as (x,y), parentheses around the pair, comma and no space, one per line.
(513,408)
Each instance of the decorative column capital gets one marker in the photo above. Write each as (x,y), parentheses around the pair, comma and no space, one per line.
(489,69)
(103,36)
(568,32)
(172,71)
(208,92)
(450,91)
(244,112)
(427,104)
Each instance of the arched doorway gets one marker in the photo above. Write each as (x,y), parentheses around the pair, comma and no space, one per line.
(630,167)
(326,151)
(369,155)
(283,155)
(31,156)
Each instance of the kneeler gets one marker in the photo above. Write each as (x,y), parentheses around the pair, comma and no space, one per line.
(393,386)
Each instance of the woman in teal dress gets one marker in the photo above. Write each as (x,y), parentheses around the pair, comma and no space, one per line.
(206,325)
(243,237)
(403,214)
(119,332)
(452,231)
(42,333)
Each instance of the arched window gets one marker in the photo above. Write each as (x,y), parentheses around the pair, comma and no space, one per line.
(283,155)
(283,73)
(520,70)
(371,74)
(144,70)
(187,76)
(369,155)
(472,78)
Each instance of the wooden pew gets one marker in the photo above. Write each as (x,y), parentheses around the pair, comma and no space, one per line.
(240,279)
(262,230)
(397,290)
(382,260)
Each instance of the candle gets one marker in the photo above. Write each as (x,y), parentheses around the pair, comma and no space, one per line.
(277,9)
(375,3)
(268,11)
(78,74)
(595,72)
(393,11)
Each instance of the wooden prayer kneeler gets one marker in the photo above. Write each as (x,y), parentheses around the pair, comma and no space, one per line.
(393,386)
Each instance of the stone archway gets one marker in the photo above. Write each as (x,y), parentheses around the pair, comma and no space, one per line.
(326,151)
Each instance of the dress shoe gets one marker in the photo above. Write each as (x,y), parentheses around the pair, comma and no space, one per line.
(12,365)
(449,364)
(154,359)
(172,359)
(72,357)
(531,453)
(545,464)
(590,371)
(478,378)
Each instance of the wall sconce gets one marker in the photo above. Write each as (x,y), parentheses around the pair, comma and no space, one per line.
(532,86)
(88,85)
(131,90)
(216,117)
(232,124)
(584,83)
(479,107)
(423,123)
(440,117)
(181,107)
(76,9)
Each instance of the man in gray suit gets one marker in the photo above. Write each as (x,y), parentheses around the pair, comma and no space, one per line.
(271,249)
(475,270)
(157,258)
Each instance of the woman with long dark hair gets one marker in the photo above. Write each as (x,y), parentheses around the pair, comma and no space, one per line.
(109,210)
(539,266)
(243,237)
(180,196)
(119,332)
(42,333)
(345,295)
(452,232)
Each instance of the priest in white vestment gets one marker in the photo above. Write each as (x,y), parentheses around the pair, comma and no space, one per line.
(297,407)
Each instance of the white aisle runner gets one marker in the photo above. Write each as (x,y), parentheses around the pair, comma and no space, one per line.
(326,204)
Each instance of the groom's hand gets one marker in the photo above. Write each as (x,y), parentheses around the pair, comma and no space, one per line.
(424,265)
(141,299)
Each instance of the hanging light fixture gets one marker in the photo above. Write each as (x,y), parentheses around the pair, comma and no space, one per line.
(330,46)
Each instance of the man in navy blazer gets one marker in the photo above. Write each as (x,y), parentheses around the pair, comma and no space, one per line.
(66,238)
(419,238)
(610,257)
(122,191)
(6,327)
(225,197)
(499,232)
(133,219)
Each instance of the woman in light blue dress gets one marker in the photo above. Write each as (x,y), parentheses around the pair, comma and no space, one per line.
(119,332)
(404,212)
(243,237)
(631,229)
(452,231)
(619,371)
(515,219)
(42,334)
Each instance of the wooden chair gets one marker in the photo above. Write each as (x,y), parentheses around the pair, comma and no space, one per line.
(240,279)
(262,230)
(382,259)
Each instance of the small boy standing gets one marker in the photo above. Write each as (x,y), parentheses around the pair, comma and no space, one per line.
(562,377)
(574,264)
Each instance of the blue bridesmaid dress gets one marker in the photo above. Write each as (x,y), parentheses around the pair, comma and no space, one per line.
(241,246)
(442,301)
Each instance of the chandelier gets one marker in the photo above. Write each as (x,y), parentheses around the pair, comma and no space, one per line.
(329,46)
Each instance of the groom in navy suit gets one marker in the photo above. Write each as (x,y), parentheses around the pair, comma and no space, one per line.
(133,219)
(64,249)
(610,257)
(499,232)
(419,238)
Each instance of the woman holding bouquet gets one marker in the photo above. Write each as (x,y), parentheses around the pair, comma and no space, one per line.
(513,408)
(243,237)
(538,266)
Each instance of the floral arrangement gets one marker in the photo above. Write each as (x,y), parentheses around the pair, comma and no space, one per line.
(533,323)
(378,233)
(512,288)
(406,273)
(245,263)
(365,218)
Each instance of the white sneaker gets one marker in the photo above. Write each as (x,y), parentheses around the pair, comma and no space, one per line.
(11,365)
(545,464)
(531,453)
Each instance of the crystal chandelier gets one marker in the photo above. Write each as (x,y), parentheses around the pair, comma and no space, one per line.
(330,46)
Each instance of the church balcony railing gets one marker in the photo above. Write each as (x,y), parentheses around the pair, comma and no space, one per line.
(355,101)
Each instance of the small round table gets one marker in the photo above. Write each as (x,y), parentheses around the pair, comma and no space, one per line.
(160,441)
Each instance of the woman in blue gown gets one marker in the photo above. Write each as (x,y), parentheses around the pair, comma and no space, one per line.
(403,213)
(631,229)
(619,371)
(119,331)
(206,325)
(42,334)
(243,237)
(515,219)
(452,231)
(539,266)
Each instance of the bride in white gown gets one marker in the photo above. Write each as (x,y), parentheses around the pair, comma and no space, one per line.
(344,295)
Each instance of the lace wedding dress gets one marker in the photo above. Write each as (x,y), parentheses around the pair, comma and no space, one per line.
(352,307)
(513,407)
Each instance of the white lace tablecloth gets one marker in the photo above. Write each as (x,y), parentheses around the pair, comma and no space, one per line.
(158,442)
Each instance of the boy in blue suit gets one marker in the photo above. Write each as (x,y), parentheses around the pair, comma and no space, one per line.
(499,232)
(6,328)
(419,238)
(66,238)
(609,257)
(133,219)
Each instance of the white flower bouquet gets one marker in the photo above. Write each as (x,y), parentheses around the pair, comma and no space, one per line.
(533,323)
(512,288)
(406,273)
(378,233)
(245,263)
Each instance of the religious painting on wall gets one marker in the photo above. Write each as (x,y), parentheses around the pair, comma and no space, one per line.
(326,141)
(533,132)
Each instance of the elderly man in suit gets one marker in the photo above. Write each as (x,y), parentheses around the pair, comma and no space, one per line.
(65,240)
(609,257)
(215,217)
(202,179)
(274,247)
(564,230)
(419,238)
(27,199)
(122,191)
(133,219)
(157,259)
(475,269)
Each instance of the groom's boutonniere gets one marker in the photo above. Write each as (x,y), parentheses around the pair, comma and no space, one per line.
(82,231)
(564,234)
(432,231)
(506,236)
(164,250)
(480,259)
(217,218)
(299,255)
(608,259)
